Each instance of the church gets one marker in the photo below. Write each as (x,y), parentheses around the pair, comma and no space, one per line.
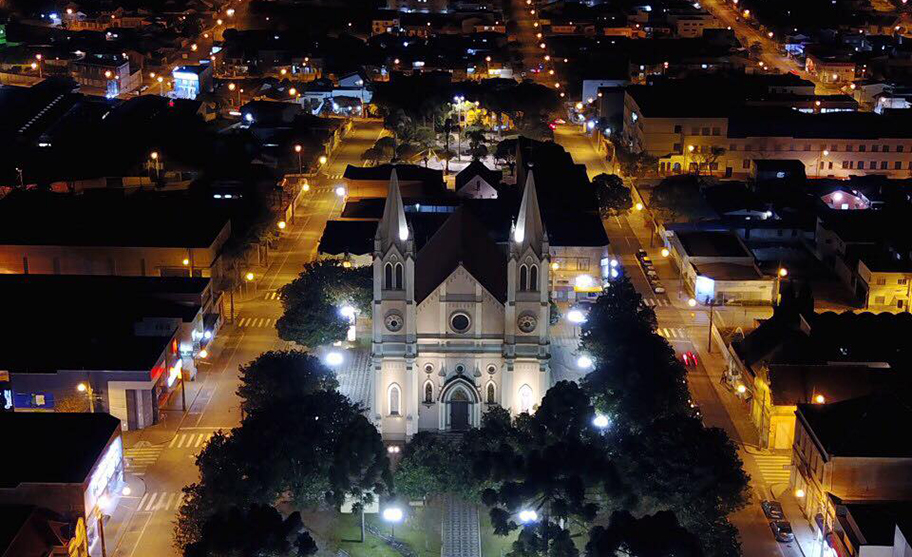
(460,326)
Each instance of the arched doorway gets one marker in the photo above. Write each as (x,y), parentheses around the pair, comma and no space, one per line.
(461,408)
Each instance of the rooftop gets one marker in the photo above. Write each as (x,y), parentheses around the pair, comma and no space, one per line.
(864,427)
(713,244)
(728,271)
(794,384)
(67,460)
(41,218)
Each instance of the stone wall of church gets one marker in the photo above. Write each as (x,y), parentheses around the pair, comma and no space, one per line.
(393,375)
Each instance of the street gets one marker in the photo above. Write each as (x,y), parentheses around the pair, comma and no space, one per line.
(161,459)
(687,329)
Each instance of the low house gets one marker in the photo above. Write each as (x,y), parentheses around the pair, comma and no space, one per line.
(853,450)
(868,529)
(373,181)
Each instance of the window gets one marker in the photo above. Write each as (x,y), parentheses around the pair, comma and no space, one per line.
(746,164)
(717,131)
(862,148)
(845,164)
(398,276)
(748,147)
(860,165)
(899,304)
(491,393)
(886,148)
(705,131)
(694,131)
(881,281)
(533,277)
(677,148)
(830,165)
(428,392)
(900,148)
(677,128)
(897,165)
(879,300)
(902,281)
(582,264)
(733,147)
(388,276)
(460,322)
(873,165)
(807,147)
(523,277)
(883,165)
(394,396)
(525,398)
(834,148)
(849,147)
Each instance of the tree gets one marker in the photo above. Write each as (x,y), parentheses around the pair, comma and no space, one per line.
(476,138)
(657,535)
(277,377)
(550,462)
(432,465)
(633,165)
(614,197)
(256,531)
(312,302)
(678,197)
(314,451)
(706,158)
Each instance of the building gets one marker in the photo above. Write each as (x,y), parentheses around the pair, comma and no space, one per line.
(689,130)
(373,181)
(477,181)
(129,341)
(834,70)
(28,531)
(718,267)
(852,450)
(461,325)
(868,529)
(108,73)
(192,80)
(69,464)
(58,234)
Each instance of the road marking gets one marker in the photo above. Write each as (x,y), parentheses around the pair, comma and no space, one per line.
(189,440)
(774,468)
(274,295)
(672,332)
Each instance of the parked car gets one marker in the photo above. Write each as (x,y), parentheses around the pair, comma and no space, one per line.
(651,273)
(641,253)
(772,510)
(690,360)
(658,289)
(782,530)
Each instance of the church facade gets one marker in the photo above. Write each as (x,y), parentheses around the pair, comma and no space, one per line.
(460,326)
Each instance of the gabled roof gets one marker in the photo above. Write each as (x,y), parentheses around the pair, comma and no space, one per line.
(462,240)
(866,427)
(477,168)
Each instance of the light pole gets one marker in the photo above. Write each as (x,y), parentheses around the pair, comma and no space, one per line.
(298,150)
(820,162)
(155,164)
(711,304)
(161,86)
(458,102)
(392,515)
(232,87)
(38,57)
(87,389)
(780,274)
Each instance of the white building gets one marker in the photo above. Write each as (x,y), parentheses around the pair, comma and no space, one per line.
(460,326)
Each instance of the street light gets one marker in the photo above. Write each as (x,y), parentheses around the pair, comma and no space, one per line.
(665,252)
(584,362)
(601,421)
(576,317)
(340,191)
(392,515)
(334,359)
(249,276)
(692,303)
(527,515)
(161,85)
(819,399)
(298,149)
(281,224)
(87,389)
(322,159)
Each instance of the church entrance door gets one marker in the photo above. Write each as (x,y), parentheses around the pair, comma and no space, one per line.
(459,411)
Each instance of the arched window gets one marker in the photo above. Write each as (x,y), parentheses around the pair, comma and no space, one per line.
(428,392)
(394,398)
(491,393)
(398,276)
(388,276)
(525,398)
(533,277)
(523,279)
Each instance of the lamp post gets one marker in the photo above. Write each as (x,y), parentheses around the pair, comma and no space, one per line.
(161,85)
(711,304)
(155,164)
(780,274)
(457,100)
(87,389)
(298,150)
(820,162)
(38,63)
(392,515)
(232,87)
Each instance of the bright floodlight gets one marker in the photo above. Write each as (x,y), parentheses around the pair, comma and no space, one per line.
(347,311)
(81,387)
(392,514)
(691,302)
(334,358)
(126,490)
(584,362)
(340,191)
(527,516)
(584,281)
(600,421)
(576,316)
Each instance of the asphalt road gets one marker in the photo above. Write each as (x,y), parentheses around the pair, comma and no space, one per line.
(687,329)
(161,458)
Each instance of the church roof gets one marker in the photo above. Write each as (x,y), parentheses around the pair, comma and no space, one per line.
(461,240)
(478,168)
(393,229)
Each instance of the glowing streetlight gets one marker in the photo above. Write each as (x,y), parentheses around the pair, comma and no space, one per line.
(576,317)
(826,153)
(692,303)
(555,266)
(601,421)
(281,224)
(340,191)
(665,252)
(526,516)
(194,47)
(393,515)
(322,159)
(229,12)
(819,399)
(691,148)
(107,74)
(799,493)
(334,359)
(81,387)
(185,261)
(783,272)
(126,490)
(249,276)
(584,362)
(639,206)
(579,106)
(292,92)
(742,388)
(347,311)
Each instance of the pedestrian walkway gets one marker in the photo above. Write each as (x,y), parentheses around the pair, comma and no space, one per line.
(460,533)
(140,456)
(189,440)
(271,295)
(160,501)
(657,302)
(355,377)
(255,322)
(673,333)
(775,469)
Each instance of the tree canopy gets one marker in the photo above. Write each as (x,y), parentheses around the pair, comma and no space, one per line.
(277,377)
(257,531)
(613,196)
(678,198)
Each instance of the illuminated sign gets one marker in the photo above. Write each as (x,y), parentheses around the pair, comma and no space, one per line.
(108,467)
(175,371)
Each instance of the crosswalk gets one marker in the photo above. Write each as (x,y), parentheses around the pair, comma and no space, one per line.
(255,322)
(672,332)
(141,456)
(336,176)
(160,501)
(189,440)
(272,295)
(657,302)
(774,468)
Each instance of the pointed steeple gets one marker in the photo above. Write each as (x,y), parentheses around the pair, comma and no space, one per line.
(530,230)
(393,228)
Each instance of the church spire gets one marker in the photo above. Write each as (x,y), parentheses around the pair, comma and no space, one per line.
(530,230)
(393,228)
